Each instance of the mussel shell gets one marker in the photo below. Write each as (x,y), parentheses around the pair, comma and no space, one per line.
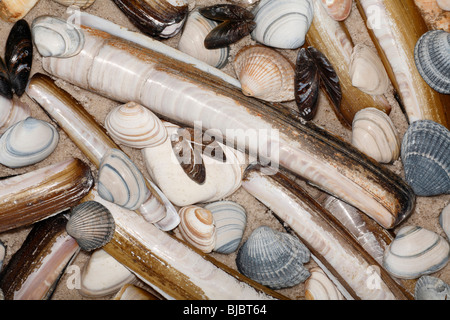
(27,142)
(425,154)
(5,84)
(273,258)
(431,288)
(19,56)
(224,12)
(227,33)
(432,57)
(91,224)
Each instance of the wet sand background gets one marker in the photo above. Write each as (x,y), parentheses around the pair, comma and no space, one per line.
(426,212)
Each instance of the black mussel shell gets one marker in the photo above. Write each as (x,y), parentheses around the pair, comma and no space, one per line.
(314,70)
(228,32)
(19,56)
(224,12)
(5,84)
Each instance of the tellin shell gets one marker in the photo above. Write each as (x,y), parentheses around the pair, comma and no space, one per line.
(444,220)
(11,112)
(339,10)
(91,224)
(425,154)
(414,252)
(265,74)
(319,287)
(431,288)
(197,227)
(273,258)
(192,40)
(374,133)
(432,57)
(230,220)
(282,23)
(135,126)
(27,142)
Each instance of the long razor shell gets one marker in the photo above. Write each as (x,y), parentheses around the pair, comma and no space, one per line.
(184,94)
(35,269)
(39,194)
(14,10)
(395,27)
(332,39)
(173,268)
(324,236)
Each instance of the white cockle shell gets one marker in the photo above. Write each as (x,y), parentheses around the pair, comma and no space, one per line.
(431,288)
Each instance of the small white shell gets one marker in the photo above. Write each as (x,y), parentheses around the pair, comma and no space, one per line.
(282,24)
(27,142)
(431,288)
(444,220)
(82,4)
(230,219)
(374,134)
(11,112)
(192,40)
(56,37)
(319,287)
(414,252)
(135,126)
(339,10)
(265,74)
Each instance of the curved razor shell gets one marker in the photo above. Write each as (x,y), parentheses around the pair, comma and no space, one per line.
(35,269)
(178,91)
(39,194)
(323,235)
(13,10)
(395,28)
(332,39)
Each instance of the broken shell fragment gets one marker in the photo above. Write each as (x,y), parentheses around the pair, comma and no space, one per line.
(431,288)
(319,287)
(339,10)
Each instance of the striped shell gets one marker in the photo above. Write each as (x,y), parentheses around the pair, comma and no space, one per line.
(374,133)
(197,227)
(282,24)
(264,74)
(91,224)
(339,10)
(135,126)
(319,287)
(432,57)
(425,154)
(27,142)
(192,40)
(431,288)
(273,258)
(120,181)
(11,112)
(230,220)
(444,220)
(414,252)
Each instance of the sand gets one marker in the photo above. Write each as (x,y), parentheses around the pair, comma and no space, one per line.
(426,212)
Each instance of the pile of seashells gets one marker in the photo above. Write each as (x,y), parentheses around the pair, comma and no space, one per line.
(253,149)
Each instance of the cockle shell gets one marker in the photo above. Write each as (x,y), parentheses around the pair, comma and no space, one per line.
(274,259)
(197,227)
(425,154)
(135,126)
(432,57)
(339,10)
(264,73)
(282,23)
(319,287)
(444,220)
(192,40)
(374,133)
(11,112)
(91,224)
(56,37)
(27,142)
(431,288)
(367,72)
(82,4)
(230,220)
(103,275)
(414,252)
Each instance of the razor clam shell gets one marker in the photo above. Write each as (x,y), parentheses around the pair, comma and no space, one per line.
(282,24)
(264,73)
(414,252)
(274,259)
(13,10)
(39,194)
(319,287)
(102,275)
(425,154)
(431,288)
(431,55)
(133,292)
(27,142)
(392,202)
(444,220)
(35,269)
(155,18)
(91,224)
(11,112)
(56,37)
(192,40)
(120,181)
(230,220)
(374,133)
(339,10)
(82,4)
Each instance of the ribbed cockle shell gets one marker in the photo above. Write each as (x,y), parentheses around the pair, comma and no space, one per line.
(431,288)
